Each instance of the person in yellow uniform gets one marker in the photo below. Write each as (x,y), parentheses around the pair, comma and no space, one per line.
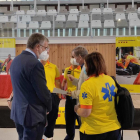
(70,115)
(52,77)
(96,102)
(120,63)
(133,62)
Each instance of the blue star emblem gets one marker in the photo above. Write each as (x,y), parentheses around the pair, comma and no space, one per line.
(109,92)
(84,95)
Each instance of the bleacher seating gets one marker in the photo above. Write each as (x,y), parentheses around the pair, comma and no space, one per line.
(4,19)
(74,11)
(120,16)
(132,16)
(52,12)
(97,21)
(31,12)
(20,12)
(119,10)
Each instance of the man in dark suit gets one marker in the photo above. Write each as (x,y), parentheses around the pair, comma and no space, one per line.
(31,99)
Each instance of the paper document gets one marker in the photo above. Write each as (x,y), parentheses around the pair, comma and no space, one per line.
(57,90)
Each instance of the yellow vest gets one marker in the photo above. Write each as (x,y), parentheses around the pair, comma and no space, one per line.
(76,73)
(52,74)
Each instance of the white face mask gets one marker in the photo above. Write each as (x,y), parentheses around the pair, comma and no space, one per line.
(44,56)
(73,61)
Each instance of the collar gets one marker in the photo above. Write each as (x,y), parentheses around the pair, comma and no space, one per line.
(28,50)
(94,76)
(78,67)
(70,68)
(47,63)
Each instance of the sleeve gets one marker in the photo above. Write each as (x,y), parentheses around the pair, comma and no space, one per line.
(5,62)
(120,64)
(85,97)
(75,81)
(57,77)
(37,77)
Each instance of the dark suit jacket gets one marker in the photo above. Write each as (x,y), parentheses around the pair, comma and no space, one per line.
(32,99)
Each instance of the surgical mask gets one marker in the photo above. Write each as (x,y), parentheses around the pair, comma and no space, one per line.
(73,61)
(85,70)
(44,56)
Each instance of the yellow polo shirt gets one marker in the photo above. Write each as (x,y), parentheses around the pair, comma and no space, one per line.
(97,93)
(51,74)
(76,73)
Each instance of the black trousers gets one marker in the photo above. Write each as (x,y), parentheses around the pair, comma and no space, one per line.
(52,116)
(112,135)
(30,133)
(70,117)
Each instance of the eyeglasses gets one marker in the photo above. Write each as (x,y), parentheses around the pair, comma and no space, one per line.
(46,48)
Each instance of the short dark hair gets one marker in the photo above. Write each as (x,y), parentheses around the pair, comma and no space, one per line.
(35,39)
(80,51)
(95,64)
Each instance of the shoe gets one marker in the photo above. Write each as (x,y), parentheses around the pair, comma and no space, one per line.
(50,138)
(44,138)
(139,133)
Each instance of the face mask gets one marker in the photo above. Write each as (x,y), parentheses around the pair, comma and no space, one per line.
(44,56)
(73,61)
(85,71)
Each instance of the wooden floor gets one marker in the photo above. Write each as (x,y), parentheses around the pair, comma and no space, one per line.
(135,98)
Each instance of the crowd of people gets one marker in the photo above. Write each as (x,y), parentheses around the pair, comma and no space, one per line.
(89,99)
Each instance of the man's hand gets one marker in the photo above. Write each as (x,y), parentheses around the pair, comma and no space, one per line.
(71,78)
(59,95)
(68,94)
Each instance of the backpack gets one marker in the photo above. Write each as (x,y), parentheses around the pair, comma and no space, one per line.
(124,107)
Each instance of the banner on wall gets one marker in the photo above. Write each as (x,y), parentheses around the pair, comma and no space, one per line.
(7,54)
(128,63)
(128,41)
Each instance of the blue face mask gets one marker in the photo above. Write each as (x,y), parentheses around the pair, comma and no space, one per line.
(85,71)
(38,59)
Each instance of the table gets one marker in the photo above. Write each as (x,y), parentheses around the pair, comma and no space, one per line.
(5,86)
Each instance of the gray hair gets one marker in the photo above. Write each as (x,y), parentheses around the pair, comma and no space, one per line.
(80,51)
(35,39)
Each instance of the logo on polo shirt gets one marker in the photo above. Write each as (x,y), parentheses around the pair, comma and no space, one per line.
(109,92)
(84,95)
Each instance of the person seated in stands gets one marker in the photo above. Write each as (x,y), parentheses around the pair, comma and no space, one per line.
(70,115)
(121,62)
(97,108)
(133,62)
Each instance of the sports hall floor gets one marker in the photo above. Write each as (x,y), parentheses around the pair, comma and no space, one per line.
(59,134)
